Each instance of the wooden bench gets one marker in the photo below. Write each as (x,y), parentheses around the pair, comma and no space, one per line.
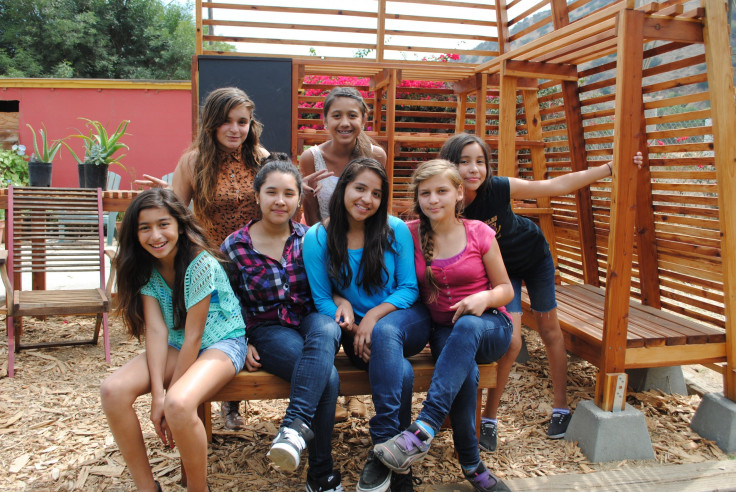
(261,385)
(655,338)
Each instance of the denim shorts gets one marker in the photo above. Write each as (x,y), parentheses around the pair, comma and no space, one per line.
(540,285)
(235,348)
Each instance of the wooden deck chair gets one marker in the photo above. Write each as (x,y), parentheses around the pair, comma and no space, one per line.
(39,241)
(113,183)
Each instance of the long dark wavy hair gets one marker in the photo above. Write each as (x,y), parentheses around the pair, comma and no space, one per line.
(364,143)
(372,272)
(134,265)
(425,171)
(214,113)
(453,147)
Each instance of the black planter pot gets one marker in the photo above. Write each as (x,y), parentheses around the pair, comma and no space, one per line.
(92,176)
(39,174)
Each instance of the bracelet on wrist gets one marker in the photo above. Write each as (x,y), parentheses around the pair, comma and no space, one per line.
(610,169)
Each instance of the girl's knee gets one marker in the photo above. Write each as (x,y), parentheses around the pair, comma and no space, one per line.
(178,408)
(115,394)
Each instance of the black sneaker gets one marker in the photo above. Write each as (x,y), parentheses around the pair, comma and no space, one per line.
(375,477)
(288,445)
(483,480)
(404,482)
(328,483)
(487,441)
(558,425)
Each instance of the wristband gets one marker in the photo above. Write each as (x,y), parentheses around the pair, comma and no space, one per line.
(609,168)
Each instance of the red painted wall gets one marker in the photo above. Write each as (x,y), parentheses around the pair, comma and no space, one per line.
(160,127)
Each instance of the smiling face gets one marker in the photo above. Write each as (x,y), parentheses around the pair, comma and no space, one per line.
(279,197)
(363,196)
(344,120)
(438,198)
(472,166)
(158,233)
(232,133)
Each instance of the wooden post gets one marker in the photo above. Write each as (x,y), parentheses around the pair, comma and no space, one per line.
(296,76)
(199,42)
(627,128)
(720,86)
(646,240)
(507,127)
(462,109)
(380,31)
(539,168)
(390,135)
(481,106)
(502,27)
(578,161)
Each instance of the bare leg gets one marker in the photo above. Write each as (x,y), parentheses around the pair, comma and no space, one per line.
(551,334)
(210,372)
(504,369)
(118,393)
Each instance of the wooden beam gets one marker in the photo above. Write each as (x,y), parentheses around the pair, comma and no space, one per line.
(646,240)
(467,85)
(507,128)
(666,29)
(382,79)
(472,83)
(669,355)
(721,89)
(198,32)
(552,71)
(626,141)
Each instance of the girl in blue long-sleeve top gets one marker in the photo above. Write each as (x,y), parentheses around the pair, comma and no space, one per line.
(361,271)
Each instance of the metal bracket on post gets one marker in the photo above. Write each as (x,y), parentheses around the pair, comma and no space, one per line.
(619,394)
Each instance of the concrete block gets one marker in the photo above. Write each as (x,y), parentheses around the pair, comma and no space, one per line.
(669,380)
(715,419)
(610,436)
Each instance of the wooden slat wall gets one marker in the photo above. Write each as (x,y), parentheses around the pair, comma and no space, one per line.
(417,28)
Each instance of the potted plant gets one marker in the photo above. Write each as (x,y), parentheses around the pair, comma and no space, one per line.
(39,167)
(99,152)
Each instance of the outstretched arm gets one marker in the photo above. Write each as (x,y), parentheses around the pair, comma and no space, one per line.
(522,189)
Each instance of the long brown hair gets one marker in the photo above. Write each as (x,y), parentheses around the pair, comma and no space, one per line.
(422,173)
(363,143)
(378,234)
(134,265)
(453,147)
(215,111)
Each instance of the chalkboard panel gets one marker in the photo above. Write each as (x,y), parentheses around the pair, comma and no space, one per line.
(268,83)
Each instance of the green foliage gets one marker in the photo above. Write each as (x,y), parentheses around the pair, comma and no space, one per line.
(47,151)
(130,39)
(13,166)
(99,146)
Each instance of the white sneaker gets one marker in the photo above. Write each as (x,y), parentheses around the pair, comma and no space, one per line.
(288,445)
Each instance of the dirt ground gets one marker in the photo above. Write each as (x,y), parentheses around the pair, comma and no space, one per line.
(54,436)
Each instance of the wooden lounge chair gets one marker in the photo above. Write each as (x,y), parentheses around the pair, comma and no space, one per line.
(41,240)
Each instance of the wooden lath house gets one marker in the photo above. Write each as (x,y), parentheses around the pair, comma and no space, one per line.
(561,86)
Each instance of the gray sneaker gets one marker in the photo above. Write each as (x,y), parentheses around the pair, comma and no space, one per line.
(399,452)
(287,448)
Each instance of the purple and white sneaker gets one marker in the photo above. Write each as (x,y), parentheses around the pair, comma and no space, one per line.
(399,452)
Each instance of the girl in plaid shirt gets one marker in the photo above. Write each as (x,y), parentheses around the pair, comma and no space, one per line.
(286,336)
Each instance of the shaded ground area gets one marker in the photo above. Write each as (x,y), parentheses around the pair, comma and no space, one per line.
(54,435)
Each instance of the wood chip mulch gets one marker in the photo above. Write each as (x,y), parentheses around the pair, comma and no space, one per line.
(54,436)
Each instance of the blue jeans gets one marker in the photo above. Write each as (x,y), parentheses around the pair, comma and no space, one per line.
(305,356)
(540,285)
(458,350)
(397,335)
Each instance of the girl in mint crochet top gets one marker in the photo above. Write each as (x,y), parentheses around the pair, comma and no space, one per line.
(173,290)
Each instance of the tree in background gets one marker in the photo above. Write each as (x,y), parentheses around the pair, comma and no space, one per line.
(116,39)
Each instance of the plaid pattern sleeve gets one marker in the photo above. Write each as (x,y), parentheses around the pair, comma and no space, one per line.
(265,284)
